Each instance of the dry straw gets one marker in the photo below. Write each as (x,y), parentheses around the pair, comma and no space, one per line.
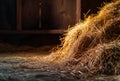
(93,46)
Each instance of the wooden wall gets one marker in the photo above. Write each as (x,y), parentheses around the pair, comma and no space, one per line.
(58,14)
(30,14)
(7,14)
(45,14)
(55,14)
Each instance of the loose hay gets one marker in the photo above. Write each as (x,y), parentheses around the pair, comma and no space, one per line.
(93,46)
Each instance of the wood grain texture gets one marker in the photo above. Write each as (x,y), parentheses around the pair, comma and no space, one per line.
(19,15)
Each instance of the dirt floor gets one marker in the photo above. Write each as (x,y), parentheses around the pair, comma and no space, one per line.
(27,66)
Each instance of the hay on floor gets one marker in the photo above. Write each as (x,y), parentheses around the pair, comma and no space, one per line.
(93,46)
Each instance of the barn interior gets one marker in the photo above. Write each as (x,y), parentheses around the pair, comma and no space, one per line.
(35,22)
(30,29)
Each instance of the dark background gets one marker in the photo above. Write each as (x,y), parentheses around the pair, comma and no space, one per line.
(7,14)
(40,15)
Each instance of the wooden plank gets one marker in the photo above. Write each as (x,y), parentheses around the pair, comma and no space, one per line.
(78,10)
(33,32)
(19,15)
(40,14)
(30,14)
(68,13)
(58,14)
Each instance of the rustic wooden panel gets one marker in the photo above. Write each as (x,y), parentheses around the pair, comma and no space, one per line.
(78,10)
(19,15)
(30,14)
(54,14)
(47,16)
(69,13)
(58,14)
(7,14)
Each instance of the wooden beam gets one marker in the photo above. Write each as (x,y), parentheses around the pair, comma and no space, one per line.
(78,10)
(34,32)
(19,15)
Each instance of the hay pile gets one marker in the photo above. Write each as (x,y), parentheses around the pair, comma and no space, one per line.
(93,46)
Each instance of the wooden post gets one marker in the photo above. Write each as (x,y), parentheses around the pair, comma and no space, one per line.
(78,10)
(40,14)
(19,15)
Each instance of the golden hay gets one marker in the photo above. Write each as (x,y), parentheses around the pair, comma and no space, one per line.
(94,45)
(102,59)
